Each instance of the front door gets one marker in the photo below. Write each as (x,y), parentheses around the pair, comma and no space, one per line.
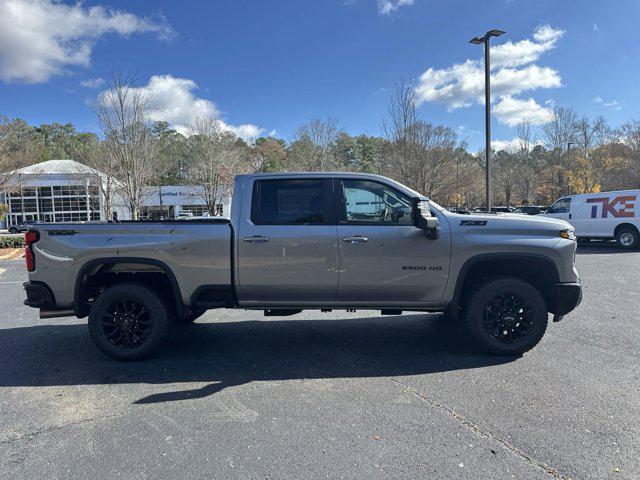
(287,248)
(560,209)
(384,258)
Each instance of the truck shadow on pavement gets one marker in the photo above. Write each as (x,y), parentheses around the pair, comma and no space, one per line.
(225,354)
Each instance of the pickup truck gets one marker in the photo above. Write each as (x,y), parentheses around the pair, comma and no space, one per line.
(308,241)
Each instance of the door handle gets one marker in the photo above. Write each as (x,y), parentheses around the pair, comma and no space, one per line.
(355,239)
(256,239)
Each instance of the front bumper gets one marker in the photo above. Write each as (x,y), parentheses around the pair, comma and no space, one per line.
(567,297)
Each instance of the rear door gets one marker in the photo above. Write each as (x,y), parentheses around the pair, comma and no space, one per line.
(287,246)
(384,258)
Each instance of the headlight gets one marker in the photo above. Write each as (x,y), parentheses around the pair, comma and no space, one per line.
(568,234)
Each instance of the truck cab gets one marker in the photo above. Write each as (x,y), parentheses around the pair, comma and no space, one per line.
(329,240)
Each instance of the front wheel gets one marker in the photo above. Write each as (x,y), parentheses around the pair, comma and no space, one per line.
(627,238)
(506,316)
(128,322)
(13,230)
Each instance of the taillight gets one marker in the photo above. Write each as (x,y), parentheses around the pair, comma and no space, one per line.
(30,238)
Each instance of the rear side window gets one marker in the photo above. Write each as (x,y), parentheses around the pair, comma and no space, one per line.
(291,202)
(561,206)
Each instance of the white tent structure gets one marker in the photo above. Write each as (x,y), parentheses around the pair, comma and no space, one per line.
(69,191)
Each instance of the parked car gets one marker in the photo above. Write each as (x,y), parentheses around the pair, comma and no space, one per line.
(21,227)
(529,209)
(308,241)
(603,215)
(496,209)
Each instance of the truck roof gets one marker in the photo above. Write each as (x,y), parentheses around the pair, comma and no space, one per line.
(610,192)
(363,176)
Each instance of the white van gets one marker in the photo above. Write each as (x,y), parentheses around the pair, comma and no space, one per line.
(602,215)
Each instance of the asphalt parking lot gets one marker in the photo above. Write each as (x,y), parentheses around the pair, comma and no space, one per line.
(340,395)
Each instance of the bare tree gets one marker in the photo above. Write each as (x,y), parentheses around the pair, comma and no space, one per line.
(594,141)
(122,113)
(505,174)
(213,160)
(557,133)
(313,146)
(101,173)
(630,136)
(527,167)
(419,154)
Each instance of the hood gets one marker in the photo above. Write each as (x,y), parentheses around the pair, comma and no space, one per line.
(511,221)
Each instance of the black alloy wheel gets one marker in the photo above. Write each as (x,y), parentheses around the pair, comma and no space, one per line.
(507,318)
(129,321)
(126,323)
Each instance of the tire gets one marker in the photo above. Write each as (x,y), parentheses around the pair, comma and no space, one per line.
(13,230)
(506,316)
(129,322)
(191,315)
(627,238)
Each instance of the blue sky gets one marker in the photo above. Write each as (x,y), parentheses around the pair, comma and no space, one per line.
(266,66)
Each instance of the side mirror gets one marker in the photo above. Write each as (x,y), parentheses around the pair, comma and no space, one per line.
(423,219)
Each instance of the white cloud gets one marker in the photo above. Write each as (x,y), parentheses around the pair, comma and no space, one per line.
(42,38)
(608,104)
(512,54)
(387,7)
(92,82)
(173,100)
(513,111)
(245,131)
(507,145)
(511,145)
(513,72)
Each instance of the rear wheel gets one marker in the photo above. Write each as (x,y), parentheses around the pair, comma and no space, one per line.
(627,238)
(506,316)
(128,322)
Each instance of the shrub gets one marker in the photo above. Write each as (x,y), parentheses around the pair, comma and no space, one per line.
(11,242)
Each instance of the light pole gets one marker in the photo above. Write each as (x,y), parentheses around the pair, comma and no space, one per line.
(487,106)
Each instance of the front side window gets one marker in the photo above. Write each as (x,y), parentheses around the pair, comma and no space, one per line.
(561,206)
(290,202)
(373,203)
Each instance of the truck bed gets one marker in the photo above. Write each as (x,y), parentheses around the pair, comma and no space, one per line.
(196,252)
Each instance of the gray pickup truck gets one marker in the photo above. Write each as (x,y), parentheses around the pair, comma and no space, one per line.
(308,241)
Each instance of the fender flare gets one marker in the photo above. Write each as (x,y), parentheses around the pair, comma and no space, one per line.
(175,287)
(454,306)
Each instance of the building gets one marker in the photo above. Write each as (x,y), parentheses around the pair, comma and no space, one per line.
(68,191)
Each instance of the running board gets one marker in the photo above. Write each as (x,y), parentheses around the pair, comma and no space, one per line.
(280,312)
(56,312)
